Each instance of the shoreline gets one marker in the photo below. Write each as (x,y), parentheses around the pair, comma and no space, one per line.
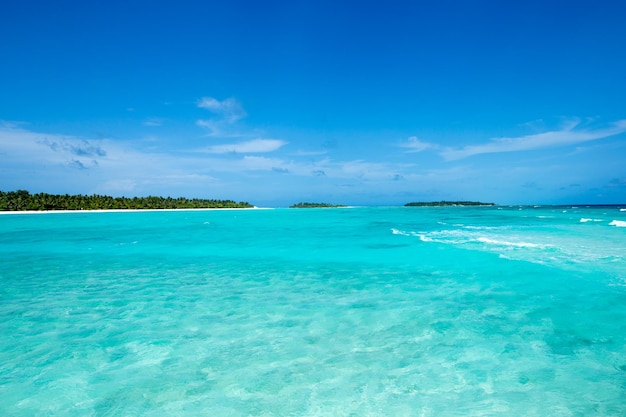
(620,207)
(130,210)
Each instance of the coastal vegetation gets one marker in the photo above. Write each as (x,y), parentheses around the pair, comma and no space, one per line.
(22,200)
(315,205)
(447,203)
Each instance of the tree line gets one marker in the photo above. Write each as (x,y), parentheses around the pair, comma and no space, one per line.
(447,203)
(21,200)
(315,205)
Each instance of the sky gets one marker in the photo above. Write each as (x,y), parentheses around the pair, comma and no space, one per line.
(345,102)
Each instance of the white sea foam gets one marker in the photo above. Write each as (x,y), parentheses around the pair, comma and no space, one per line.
(622,209)
(425,238)
(508,243)
(403,233)
(454,237)
(585,220)
(618,223)
(481,227)
(462,237)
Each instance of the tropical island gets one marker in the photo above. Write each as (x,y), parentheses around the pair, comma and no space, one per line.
(316,205)
(447,203)
(22,200)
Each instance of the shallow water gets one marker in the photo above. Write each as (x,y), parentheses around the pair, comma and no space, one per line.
(468,311)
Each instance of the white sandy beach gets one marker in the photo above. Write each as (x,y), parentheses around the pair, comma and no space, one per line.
(131,210)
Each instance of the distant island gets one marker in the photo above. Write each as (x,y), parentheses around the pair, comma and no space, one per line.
(447,203)
(316,205)
(22,200)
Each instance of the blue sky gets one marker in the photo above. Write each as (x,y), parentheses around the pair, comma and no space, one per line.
(354,102)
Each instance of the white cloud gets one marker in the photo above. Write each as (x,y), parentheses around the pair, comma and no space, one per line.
(260,163)
(251,146)
(117,186)
(229,110)
(225,115)
(61,163)
(355,169)
(413,144)
(565,136)
(367,170)
(18,144)
(219,128)
(209,124)
(153,121)
(310,153)
(41,161)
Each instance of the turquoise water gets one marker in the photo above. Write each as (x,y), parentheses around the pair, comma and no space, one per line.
(453,311)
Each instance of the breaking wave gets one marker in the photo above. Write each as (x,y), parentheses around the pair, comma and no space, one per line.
(585,220)
(461,237)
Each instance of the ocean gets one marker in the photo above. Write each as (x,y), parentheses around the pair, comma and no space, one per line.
(390,311)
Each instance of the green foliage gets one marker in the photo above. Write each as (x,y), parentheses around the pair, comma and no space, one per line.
(22,200)
(315,205)
(447,203)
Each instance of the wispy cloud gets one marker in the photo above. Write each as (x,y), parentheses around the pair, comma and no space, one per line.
(354,169)
(413,144)
(229,110)
(251,146)
(367,170)
(77,147)
(310,153)
(225,115)
(568,135)
(617,182)
(18,144)
(52,162)
(153,121)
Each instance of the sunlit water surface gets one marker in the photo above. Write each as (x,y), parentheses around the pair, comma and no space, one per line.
(453,311)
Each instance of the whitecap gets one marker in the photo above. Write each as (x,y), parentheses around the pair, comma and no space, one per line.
(618,223)
(508,243)
(481,227)
(585,220)
(402,233)
(623,209)
(425,238)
